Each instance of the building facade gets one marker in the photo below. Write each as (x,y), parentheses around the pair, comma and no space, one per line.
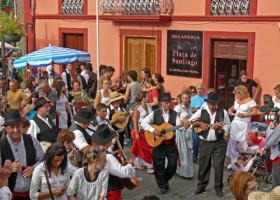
(187,41)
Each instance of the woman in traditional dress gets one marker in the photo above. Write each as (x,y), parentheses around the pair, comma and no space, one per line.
(244,107)
(140,149)
(145,74)
(184,138)
(91,181)
(62,105)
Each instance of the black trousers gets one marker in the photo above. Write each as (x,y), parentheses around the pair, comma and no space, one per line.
(275,174)
(162,174)
(207,151)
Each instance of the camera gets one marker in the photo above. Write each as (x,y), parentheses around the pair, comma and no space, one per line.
(272,113)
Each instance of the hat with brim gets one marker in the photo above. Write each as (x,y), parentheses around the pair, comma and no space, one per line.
(273,195)
(12,117)
(103,135)
(40,102)
(165,97)
(115,96)
(212,98)
(83,115)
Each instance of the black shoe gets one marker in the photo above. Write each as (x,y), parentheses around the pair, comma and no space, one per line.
(163,191)
(194,160)
(199,191)
(219,193)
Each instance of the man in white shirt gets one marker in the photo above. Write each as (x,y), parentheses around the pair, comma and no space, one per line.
(41,126)
(67,77)
(103,137)
(214,123)
(82,139)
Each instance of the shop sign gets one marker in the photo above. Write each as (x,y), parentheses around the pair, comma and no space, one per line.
(184,53)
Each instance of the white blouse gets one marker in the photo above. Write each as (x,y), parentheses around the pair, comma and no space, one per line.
(244,108)
(85,190)
(39,182)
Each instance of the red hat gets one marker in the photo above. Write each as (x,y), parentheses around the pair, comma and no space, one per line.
(254,138)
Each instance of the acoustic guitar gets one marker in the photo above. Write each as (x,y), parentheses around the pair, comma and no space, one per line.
(129,183)
(198,129)
(167,131)
(122,125)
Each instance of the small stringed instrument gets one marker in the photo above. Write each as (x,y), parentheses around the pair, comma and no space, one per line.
(167,133)
(122,125)
(129,183)
(198,129)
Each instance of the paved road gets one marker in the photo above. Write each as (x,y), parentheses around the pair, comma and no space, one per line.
(180,188)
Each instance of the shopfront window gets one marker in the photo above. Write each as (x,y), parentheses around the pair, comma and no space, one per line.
(230,7)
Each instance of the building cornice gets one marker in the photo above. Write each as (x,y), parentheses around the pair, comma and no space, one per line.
(163,18)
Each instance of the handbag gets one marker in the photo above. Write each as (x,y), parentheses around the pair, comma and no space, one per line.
(48,182)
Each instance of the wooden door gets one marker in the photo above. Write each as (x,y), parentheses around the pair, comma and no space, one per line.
(140,52)
(73,41)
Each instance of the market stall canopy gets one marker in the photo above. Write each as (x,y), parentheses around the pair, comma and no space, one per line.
(49,55)
(9,46)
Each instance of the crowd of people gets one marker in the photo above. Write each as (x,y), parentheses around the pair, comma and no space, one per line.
(65,140)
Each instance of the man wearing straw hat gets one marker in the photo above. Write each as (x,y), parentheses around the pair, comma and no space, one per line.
(114,106)
(23,150)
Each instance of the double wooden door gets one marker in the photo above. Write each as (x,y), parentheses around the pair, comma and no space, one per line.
(140,52)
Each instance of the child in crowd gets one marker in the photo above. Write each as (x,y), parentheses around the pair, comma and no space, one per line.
(249,150)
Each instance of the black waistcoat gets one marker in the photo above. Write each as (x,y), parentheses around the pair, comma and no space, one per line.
(205,117)
(75,126)
(111,113)
(158,120)
(7,153)
(114,182)
(46,134)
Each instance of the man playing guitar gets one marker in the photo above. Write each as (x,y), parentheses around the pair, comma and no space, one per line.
(167,148)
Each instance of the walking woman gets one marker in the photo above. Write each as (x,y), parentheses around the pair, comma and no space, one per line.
(140,148)
(184,138)
(62,105)
(91,181)
(53,172)
(244,107)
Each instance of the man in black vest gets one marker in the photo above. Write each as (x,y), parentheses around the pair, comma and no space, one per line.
(167,148)
(41,126)
(67,77)
(212,143)
(23,150)
(103,137)
(82,139)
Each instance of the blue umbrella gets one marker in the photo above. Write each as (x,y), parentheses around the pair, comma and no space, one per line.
(51,54)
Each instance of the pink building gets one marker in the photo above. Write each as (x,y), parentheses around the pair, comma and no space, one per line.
(209,41)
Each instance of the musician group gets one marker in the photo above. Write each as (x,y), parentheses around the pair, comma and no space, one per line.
(89,163)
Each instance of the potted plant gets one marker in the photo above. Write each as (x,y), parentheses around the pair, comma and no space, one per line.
(10,28)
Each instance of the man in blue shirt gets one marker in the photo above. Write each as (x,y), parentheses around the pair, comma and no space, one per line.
(196,103)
